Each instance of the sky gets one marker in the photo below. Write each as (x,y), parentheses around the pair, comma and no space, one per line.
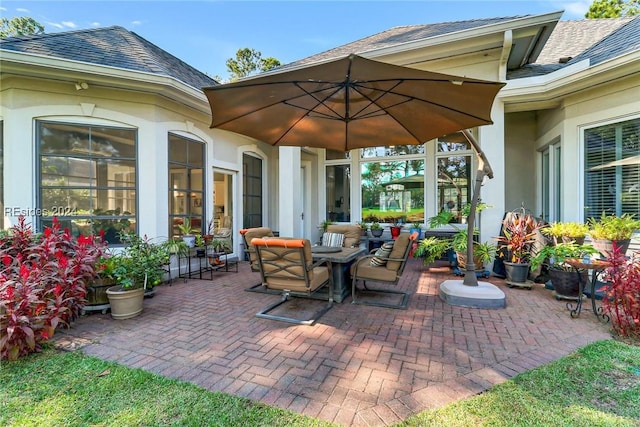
(206,33)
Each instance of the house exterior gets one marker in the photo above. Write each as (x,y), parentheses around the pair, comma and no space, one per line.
(107,131)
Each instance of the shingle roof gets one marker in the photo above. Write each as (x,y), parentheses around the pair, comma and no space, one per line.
(112,46)
(399,35)
(596,39)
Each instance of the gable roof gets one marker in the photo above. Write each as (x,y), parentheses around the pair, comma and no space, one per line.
(399,35)
(574,41)
(111,46)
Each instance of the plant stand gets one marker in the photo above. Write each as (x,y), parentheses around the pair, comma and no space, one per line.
(597,267)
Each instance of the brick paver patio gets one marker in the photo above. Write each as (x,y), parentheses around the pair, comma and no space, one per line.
(359,365)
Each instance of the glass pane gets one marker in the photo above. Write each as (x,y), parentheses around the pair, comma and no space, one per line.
(195,153)
(196,179)
(196,203)
(612,173)
(178,177)
(59,138)
(113,142)
(337,155)
(115,202)
(453,142)
(115,173)
(177,203)
(177,149)
(84,226)
(393,191)
(338,193)
(55,200)
(67,171)
(454,184)
(392,150)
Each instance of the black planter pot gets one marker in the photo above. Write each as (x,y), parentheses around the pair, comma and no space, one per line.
(566,283)
(516,272)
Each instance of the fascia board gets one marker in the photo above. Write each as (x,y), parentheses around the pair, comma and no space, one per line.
(42,66)
(515,25)
(535,92)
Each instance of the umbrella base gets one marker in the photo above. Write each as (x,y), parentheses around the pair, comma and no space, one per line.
(485,295)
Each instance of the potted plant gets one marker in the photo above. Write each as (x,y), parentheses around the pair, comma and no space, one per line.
(396,226)
(139,266)
(431,248)
(219,247)
(566,232)
(565,279)
(483,252)
(376,229)
(187,233)
(517,245)
(201,250)
(324,225)
(416,227)
(609,230)
(363,226)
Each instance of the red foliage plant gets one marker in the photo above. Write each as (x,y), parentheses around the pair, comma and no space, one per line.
(43,281)
(622,293)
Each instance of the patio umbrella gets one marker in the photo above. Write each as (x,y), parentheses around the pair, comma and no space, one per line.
(352,102)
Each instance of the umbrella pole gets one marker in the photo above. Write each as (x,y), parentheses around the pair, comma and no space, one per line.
(484,169)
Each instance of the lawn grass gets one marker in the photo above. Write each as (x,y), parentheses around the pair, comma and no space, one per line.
(598,385)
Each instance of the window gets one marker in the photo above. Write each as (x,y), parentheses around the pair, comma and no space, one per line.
(338,193)
(251,191)
(395,180)
(392,181)
(186,184)
(454,161)
(87,178)
(612,169)
(551,183)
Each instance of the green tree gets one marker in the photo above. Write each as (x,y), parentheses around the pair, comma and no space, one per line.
(613,9)
(20,26)
(249,61)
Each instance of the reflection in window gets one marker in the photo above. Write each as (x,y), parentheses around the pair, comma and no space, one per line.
(338,193)
(87,178)
(393,190)
(186,184)
(454,162)
(612,169)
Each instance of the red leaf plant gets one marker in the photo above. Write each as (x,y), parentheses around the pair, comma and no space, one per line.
(43,282)
(621,300)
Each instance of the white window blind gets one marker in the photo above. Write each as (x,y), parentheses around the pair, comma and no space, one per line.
(612,171)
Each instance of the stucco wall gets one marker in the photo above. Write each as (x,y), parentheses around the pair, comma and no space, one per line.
(520,165)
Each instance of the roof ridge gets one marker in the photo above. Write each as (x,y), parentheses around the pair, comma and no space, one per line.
(60,33)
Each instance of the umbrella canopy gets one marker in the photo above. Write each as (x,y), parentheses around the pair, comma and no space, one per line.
(351,103)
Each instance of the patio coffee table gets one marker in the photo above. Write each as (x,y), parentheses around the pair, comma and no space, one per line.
(340,263)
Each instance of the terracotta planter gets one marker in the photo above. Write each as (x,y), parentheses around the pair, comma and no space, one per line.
(125,304)
(517,273)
